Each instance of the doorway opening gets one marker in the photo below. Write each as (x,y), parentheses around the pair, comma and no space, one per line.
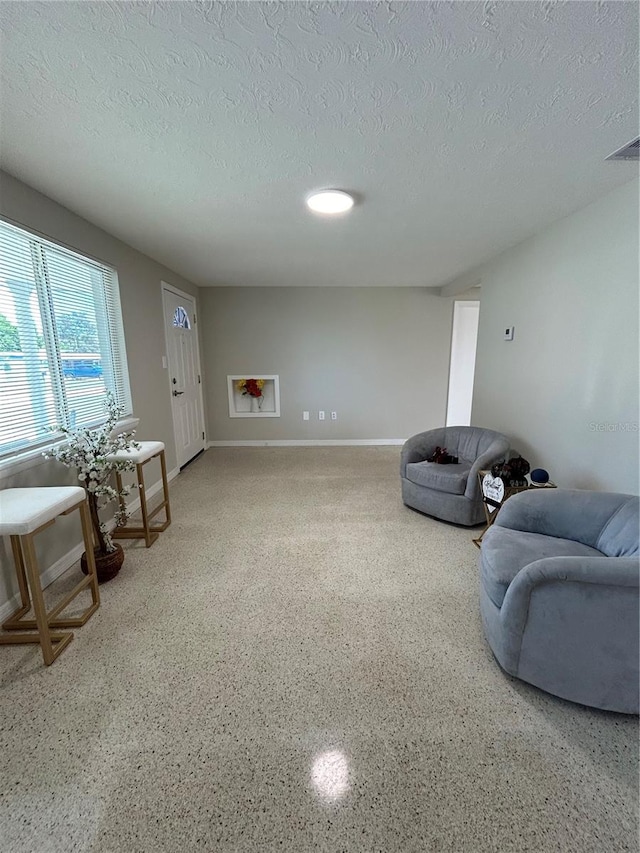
(462,365)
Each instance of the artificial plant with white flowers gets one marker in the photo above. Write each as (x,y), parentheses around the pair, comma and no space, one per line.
(89,450)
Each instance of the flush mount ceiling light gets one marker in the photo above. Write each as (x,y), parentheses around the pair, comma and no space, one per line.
(330,202)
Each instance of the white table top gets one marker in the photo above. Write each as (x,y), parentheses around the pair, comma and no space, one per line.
(146,451)
(24,510)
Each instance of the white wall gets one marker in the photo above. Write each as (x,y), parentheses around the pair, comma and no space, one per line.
(377,356)
(141,297)
(565,390)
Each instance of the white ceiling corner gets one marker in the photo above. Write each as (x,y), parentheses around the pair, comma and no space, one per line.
(194,130)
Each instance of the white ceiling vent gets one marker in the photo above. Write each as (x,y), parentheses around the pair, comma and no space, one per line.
(631,151)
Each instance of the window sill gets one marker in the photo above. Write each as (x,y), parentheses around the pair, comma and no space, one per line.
(32,458)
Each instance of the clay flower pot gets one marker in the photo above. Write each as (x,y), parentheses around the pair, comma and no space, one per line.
(107,565)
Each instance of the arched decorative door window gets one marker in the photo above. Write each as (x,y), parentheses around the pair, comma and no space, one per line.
(181,318)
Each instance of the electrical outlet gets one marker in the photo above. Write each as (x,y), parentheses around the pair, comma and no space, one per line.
(334,416)
(320,416)
(305,416)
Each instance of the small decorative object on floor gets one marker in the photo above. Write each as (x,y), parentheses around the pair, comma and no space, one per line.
(87,450)
(441,457)
(539,477)
(252,388)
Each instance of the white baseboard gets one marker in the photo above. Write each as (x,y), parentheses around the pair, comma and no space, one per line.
(310,442)
(49,575)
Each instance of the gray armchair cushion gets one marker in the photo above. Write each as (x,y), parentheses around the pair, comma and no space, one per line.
(568,621)
(443,478)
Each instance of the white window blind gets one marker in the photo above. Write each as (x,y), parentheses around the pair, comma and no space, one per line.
(61,340)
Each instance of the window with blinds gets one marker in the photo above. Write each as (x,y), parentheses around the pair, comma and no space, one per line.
(61,340)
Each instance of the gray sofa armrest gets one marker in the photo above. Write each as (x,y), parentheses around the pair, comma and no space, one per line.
(499,449)
(603,571)
(564,513)
(570,626)
(418,447)
(618,571)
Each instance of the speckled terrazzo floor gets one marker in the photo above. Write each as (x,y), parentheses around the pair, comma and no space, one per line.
(298,665)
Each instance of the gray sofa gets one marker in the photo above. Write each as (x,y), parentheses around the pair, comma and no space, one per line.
(559,594)
(449,492)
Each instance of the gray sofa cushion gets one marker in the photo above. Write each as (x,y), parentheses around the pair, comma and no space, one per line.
(444,478)
(619,537)
(604,520)
(505,552)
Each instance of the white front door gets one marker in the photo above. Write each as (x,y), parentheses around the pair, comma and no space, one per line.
(183,362)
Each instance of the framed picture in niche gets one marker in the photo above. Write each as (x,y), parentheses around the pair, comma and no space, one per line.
(253,395)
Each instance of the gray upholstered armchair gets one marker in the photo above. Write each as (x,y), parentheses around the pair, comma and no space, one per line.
(449,492)
(559,594)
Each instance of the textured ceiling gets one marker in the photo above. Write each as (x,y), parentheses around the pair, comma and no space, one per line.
(193,130)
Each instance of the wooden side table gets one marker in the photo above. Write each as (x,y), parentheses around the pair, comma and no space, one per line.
(23,514)
(147,450)
(491,507)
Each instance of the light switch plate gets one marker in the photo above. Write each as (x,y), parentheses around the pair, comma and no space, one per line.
(305,416)
(508,333)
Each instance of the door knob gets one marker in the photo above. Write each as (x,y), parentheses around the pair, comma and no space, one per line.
(177,393)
